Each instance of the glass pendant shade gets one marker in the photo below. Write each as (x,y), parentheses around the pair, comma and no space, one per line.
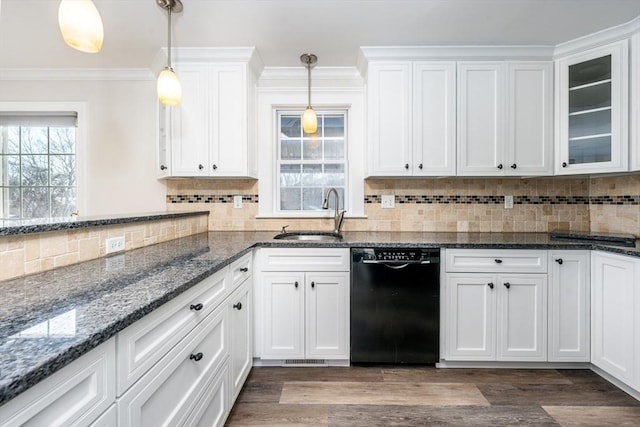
(169,89)
(81,25)
(309,121)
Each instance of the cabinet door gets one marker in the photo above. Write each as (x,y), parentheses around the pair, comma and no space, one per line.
(283,311)
(569,306)
(592,111)
(614,321)
(434,119)
(390,132)
(634,80)
(327,323)
(480,118)
(190,123)
(228,120)
(470,316)
(529,130)
(214,406)
(240,305)
(522,322)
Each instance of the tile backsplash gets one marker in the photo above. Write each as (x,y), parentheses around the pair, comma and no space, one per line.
(604,204)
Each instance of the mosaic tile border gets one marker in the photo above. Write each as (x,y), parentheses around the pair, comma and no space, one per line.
(436,199)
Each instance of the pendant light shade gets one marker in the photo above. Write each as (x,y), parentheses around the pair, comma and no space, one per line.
(81,25)
(309,118)
(169,89)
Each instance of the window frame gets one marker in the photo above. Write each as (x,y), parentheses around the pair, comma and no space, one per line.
(344,113)
(80,109)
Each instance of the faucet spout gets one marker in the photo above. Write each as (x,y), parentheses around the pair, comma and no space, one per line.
(338,216)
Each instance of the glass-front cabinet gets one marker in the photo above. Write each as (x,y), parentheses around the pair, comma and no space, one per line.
(592,111)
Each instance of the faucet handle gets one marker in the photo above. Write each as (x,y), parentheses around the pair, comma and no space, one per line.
(284,229)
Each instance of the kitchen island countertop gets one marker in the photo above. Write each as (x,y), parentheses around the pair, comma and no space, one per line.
(101,297)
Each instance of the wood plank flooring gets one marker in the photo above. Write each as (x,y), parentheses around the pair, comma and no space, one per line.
(425,396)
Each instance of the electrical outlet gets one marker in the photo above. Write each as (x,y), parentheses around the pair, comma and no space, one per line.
(237,202)
(114,244)
(508,202)
(388,201)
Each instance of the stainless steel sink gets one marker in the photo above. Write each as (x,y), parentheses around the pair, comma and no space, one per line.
(315,236)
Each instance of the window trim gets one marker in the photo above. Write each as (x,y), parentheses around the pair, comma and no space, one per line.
(345,162)
(270,100)
(81,136)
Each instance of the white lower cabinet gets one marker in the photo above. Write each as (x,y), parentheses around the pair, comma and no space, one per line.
(615,310)
(75,395)
(178,381)
(108,419)
(569,306)
(240,307)
(304,299)
(496,317)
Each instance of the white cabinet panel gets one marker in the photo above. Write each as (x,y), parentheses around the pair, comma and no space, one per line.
(75,395)
(496,260)
(634,111)
(307,259)
(615,303)
(240,306)
(108,419)
(327,320)
(480,118)
(529,142)
(569,306)
(470,316)
(283,323)
(522,321)
(212,409)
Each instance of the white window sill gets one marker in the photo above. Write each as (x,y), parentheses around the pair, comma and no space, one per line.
(308,216)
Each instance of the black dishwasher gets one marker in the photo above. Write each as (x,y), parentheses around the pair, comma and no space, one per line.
(395,305)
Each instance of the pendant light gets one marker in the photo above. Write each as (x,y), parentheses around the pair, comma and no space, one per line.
(81,25)
(309,118)
(169,90)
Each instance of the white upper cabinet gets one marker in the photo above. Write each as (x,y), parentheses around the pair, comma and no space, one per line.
(504,118)
(634,82)
(411,118)
(212,130)
(592,111)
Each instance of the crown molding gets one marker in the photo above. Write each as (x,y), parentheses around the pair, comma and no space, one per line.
(598,39)
(90,74)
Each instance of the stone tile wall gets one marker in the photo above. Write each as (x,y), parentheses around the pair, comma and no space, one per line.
(33,253)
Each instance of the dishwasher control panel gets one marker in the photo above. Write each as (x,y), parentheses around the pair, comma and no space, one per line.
(395,255)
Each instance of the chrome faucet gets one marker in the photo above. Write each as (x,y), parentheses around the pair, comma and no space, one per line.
(339,214)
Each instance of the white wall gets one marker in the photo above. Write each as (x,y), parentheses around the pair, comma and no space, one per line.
(120,146)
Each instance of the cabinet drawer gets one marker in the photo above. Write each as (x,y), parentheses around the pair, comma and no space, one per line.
(145,342)
(173,387)
(75,395)
(240,270)
(496,261)
(304,259)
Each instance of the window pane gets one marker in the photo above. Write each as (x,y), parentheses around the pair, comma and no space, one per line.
(35,170)
(13,140)
(62,140)
(290,199)
(311,199)
(290,175)
(12,202)
(312,148)
(333,126)
(290,126)
(35,202)
(290,150)
(333,175)
(63,170)
(334,149)
(11,167)
(63,201)
(311,175)
(35,140)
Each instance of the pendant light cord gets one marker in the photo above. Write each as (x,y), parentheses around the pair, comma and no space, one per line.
(169,32)
(309,85)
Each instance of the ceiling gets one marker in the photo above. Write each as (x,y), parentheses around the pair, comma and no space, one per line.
(283,29)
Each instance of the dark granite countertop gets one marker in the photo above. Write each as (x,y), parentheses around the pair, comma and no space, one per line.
(30,226)
(94,300)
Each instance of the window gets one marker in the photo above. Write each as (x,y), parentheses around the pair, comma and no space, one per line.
(37,165)
(309,165)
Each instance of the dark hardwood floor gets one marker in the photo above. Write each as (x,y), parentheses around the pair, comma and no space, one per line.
(425,396)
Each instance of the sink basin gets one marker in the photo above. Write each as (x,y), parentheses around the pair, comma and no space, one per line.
(315,236)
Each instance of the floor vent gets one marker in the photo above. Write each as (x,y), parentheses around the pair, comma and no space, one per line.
(305,362)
